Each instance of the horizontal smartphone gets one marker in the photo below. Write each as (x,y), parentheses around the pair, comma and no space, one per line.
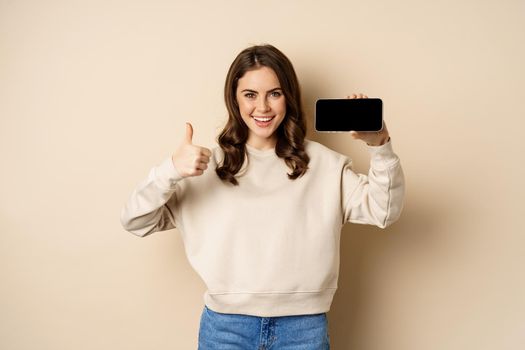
(343,115)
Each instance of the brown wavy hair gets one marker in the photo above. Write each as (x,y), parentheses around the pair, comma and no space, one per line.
(290,133)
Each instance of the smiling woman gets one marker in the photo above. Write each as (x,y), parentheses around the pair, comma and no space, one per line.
(265,240)
(263,98)
(262,106)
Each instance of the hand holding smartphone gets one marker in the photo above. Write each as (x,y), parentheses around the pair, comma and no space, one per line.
(344,115)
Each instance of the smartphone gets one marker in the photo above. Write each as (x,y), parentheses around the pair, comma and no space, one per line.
(343,115)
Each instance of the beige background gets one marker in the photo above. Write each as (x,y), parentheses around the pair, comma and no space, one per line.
(94,93)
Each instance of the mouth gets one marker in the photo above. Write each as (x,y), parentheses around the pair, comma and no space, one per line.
(263,121)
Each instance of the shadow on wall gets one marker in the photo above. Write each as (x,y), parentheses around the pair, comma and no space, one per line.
(372,259)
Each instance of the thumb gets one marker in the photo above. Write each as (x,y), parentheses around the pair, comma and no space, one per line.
(189,133)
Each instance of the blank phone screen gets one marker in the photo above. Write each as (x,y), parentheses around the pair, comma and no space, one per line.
(360,114)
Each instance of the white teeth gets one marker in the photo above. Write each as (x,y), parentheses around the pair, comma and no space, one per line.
(262,119)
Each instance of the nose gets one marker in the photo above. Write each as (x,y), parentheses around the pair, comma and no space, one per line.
(262,105)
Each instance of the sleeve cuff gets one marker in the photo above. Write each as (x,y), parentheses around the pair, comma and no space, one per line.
(166,174)
(382,157)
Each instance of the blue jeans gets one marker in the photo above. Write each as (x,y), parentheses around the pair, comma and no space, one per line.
(219,331)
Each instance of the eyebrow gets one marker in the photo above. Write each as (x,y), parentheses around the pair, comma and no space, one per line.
(272,90)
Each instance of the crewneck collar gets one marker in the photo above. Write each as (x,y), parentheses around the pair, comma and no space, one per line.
(259,152)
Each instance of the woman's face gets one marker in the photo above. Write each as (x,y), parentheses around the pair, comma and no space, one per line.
(262,106)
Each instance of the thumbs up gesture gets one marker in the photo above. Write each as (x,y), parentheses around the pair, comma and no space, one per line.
(189,159)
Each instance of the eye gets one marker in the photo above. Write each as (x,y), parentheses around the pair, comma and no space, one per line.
(249,95)
(276,94)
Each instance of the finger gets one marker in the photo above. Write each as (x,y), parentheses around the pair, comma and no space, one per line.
(189,133)
(205,151)
(202,166)
(203,159)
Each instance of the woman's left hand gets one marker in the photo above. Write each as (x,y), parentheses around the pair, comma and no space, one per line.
(372,138)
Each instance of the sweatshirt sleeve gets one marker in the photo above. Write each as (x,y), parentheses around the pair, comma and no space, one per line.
(376,199)
(151,206)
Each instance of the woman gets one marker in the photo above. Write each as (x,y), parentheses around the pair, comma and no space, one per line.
(262,230)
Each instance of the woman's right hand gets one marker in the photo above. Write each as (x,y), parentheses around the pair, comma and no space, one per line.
(189,159)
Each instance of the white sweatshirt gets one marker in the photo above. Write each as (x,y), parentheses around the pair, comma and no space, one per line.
(270,246)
